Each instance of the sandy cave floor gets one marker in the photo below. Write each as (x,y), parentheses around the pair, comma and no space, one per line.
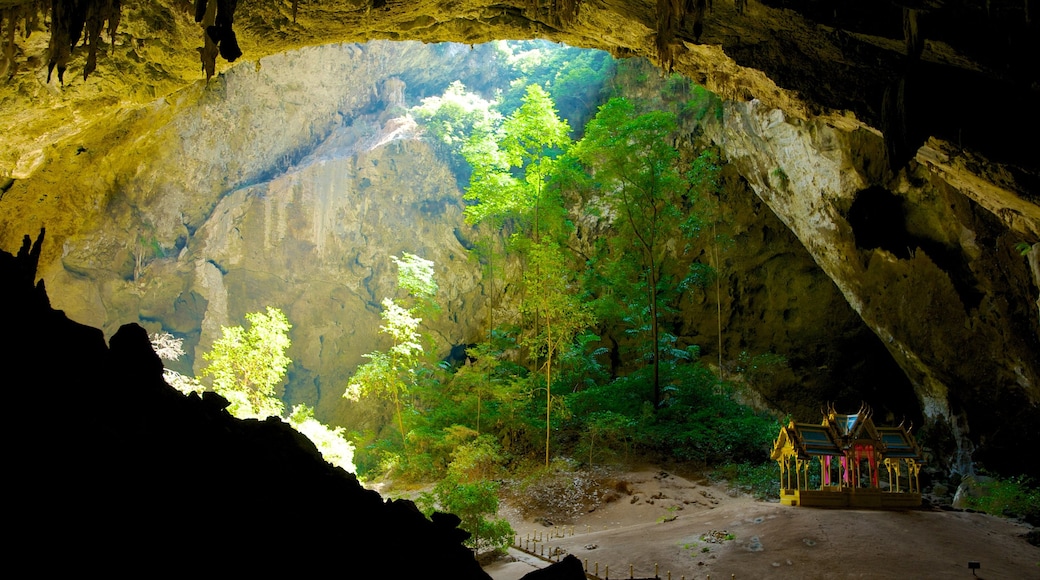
(657,517)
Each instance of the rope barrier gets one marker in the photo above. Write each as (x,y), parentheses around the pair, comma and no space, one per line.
(594,575)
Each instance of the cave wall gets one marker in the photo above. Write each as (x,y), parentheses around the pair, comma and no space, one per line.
(840,99)
(132,475)
(936,276)
(268,191)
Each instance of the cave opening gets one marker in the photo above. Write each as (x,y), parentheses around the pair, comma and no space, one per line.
(295,157)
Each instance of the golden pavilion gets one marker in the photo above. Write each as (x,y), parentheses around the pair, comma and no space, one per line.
(838,463)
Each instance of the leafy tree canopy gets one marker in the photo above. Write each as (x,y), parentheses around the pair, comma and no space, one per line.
(247,364)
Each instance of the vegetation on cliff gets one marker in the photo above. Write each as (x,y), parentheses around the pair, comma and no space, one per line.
(539,382)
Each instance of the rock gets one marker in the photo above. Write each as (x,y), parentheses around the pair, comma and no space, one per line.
(569,568)
(158,467)
(971,487)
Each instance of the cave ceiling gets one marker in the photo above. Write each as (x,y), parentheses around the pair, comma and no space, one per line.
(911,68)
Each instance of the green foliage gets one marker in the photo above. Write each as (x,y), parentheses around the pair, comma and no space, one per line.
(332,443)
(573,77)
(698,419)
(477,459)
(553,300)
(761,480)
(455,117)
(701,103)
(1017,497)
(510,167)
(604,432)
(476,504)
(415,276)
(247,364)
(635,170)
(393,373)
(504,402)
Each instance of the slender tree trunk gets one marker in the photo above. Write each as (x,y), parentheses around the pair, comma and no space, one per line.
(718,295)
(396,393)
(655,331)
(400,420)
(548,387)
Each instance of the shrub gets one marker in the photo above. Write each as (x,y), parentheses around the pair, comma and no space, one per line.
(1017,497)
(473,503)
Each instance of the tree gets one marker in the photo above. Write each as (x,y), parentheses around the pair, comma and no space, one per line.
(510,170)
(243,358)
(452,118)
(415,277)
(472,502)
(555,302)
(635,171)
(392,373)
(247,364)
(466,492)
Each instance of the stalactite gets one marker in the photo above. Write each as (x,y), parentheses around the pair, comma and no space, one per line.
(217,18)
(7,26)
(912,34)
(894,124)
(98,13)
(59,49)
(668,18)
(222,32)
(206,14)
(69,18)
(25,16)
(694,9)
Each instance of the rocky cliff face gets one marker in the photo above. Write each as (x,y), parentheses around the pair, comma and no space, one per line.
(829,107)
(271,193)
(935,275)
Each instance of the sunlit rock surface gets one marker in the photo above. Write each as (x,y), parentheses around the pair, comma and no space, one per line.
(265,189)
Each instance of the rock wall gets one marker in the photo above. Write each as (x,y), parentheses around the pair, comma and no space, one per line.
(936,276)
(262,188)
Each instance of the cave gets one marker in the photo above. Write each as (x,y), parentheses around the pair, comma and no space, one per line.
(842,120)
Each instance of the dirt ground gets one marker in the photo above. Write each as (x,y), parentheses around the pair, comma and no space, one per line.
(693,530)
